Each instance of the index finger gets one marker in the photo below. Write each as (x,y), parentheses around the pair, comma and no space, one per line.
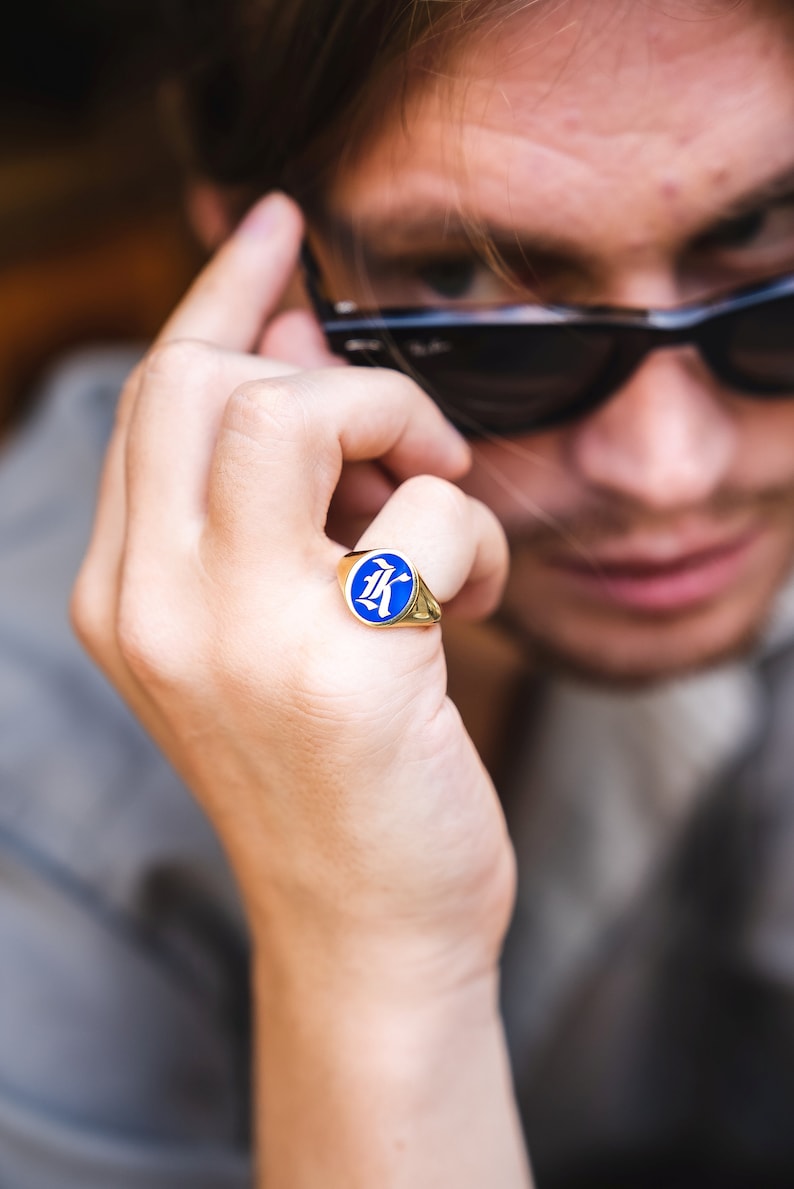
(232,299)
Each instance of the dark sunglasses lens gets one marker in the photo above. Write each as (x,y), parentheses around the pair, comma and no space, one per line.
(504,380)
(756,346)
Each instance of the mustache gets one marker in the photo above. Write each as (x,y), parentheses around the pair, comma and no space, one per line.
(584,528)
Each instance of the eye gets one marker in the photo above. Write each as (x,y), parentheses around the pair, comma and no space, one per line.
(764,236)
(451,279)
(734,233)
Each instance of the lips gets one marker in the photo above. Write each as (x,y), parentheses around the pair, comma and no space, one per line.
(660,578)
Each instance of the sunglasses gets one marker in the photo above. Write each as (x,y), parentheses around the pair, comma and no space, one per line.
(520,368)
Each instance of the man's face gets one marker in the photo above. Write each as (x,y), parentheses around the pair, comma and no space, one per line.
(632,155)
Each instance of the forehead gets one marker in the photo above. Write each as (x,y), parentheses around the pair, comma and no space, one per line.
(564,109)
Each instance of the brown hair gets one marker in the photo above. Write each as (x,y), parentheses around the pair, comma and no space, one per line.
(269,91)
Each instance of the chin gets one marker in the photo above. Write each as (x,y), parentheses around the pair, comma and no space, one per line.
(633,658)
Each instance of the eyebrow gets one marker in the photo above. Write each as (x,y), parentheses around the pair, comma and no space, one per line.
(403,230)
(775,190)
(406,226)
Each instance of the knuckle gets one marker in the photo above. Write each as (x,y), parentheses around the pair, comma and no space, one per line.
(403,385)
(274,409)
(395,385)
(87,609)
(174,360)
(490,523)
(148,641)
(442,499)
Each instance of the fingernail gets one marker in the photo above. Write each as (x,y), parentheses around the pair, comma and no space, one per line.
(264,216)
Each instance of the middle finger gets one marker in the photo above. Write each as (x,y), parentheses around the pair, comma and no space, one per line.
(283,442)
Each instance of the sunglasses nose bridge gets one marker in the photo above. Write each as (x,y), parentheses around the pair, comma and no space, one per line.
(643,341)
(635,344)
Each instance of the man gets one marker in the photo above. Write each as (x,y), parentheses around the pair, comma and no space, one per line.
(588,154)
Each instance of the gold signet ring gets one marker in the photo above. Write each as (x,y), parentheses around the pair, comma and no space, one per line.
(383,589)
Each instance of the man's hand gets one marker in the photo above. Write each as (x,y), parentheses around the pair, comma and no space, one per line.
(364,832)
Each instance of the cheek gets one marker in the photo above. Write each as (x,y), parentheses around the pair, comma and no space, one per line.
(522,479)
(532,477)
(765,453)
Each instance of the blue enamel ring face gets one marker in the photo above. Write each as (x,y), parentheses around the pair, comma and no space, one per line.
(381,587)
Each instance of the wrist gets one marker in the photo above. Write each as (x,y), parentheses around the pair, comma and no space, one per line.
(353,946)
(368,1080)
(368,993)
(381,966)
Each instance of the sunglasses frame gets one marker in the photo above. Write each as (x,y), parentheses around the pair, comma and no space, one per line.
(397,338)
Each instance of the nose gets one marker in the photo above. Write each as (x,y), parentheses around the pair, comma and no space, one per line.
(664,442)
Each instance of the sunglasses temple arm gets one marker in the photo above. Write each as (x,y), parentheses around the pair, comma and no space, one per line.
(311,276)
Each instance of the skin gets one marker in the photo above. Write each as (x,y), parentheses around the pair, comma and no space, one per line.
(609,175)
(365,834)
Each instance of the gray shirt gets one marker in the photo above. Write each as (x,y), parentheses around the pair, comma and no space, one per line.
(124,1037)
(648,977)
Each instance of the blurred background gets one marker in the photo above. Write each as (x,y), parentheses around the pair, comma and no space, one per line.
(94,244)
